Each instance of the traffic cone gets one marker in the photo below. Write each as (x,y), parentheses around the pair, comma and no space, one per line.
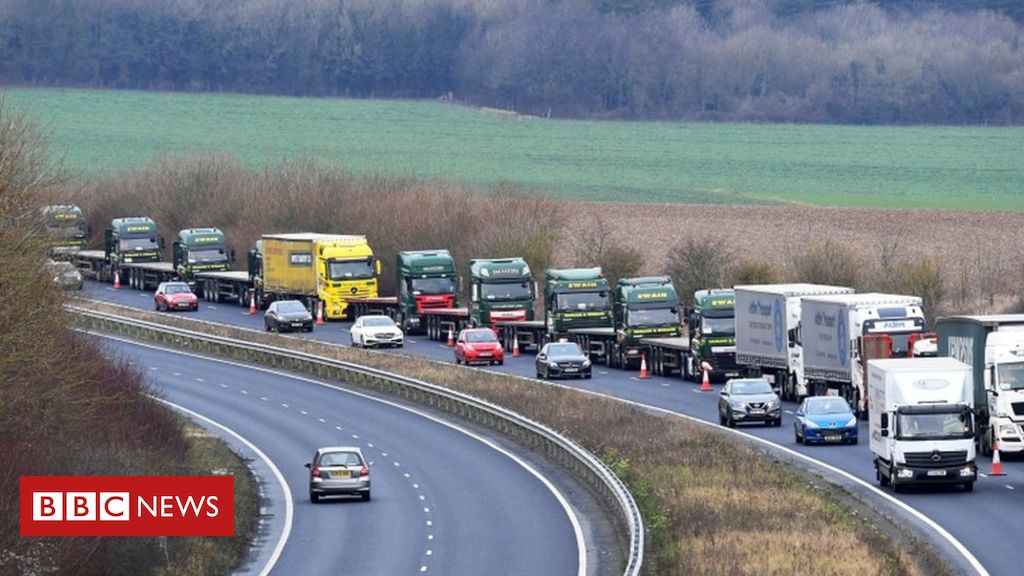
(252,303)
(117,280)
(515,346)
(705,383)
(643,367)
(997,465)
(451,337)
(320,313)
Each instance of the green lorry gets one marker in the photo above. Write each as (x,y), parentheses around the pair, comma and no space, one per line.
(426,280)
(711,327)
(65,225)
(128,241)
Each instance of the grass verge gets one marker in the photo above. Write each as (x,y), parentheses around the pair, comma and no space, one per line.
(712,504)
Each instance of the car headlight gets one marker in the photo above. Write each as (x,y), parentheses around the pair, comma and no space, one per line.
(811,424)
(852,422)
(736,405)
(586,363)
(553,365)
(774,403)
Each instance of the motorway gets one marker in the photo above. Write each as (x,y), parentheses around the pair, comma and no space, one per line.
(443,501)
(987,522)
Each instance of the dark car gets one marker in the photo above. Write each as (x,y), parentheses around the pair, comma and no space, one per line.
(749,400)
(562,359)
(825,419)
(174,296)
(287,315)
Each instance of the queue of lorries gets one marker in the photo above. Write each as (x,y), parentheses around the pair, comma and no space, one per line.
(931,397)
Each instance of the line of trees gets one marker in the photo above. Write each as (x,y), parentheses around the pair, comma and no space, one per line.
(897,61)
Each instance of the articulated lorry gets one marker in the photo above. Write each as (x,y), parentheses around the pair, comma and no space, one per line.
(841,333)
(767,333)
(128,241)
(501,290)
(922,422)
(426,279)
(574,298)
(993,346)
(645,313)
(194,251)
(65,225)
(711,327)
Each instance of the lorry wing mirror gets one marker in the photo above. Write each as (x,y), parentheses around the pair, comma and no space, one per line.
(376,266)
(885,421)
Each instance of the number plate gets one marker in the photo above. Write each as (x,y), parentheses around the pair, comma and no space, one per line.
(757,412)
(936,472)
(572,369)
(183,304)
(340,474)
(296,324)
(485,354)
(833,438)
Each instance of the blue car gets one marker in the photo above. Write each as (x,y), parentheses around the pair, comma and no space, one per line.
(825,419)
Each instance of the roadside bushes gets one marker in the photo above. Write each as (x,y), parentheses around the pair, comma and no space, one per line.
(597,245)
(395,213)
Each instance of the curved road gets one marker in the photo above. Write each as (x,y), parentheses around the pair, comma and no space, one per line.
(443,501)
(988,521)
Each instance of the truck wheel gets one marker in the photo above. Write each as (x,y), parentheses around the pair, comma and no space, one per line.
(883,480)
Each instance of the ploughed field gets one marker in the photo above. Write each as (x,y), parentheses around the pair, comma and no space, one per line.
(958,168)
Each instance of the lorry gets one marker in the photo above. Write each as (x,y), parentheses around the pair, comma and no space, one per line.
(65,226)
(921,424)
(841,333)
(574,298)
(993,346)
(711,328)
(426,279)
(502,290)
(194,251)
(767,329)
(645,311)
(128,241)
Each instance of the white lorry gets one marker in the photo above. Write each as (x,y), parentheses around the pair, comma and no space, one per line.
(841,333)
(994,347)
(767,343)
(922,422)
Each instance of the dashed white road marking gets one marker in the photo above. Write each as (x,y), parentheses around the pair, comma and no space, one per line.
(303,412)
(245,391)
(176,374)
(430,523)
(200,380)
(665,384)
(283,405)
(1008,487)
(422,497)
(430,536)
(264,398)
(152,367)
(338,428)
(356,436)
(430,552)
(223,385)
(322,421)
(789,411)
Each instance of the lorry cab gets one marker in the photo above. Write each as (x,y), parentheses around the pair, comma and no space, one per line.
(427,279)
(131,240)
(645,307)
(501,290)
(711,328)
(576,298)
(922,422)
(65,225)
(200,250)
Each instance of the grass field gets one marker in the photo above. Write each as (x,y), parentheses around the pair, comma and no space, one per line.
(972,168)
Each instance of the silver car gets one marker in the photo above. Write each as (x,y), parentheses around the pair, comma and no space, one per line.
(749,400)
(338,470)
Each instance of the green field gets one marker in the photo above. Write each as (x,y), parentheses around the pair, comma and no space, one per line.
(926,167)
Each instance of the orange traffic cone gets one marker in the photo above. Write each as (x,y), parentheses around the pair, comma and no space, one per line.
(117,280)
(515,346)
(705,384)
(997,465)
(320,313)
(643,367)
(252,303)
(451,337)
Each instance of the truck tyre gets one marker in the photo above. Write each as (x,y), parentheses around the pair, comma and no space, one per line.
(883,480)
(986,442)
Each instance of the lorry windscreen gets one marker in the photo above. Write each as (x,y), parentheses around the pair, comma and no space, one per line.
(129,244)
(1010,376)
(932,424)
(506,291)
(718,326)
(207,255)
(349,269)
(897,329)
(433,286)
(66,230)
(652,316)
(582,301)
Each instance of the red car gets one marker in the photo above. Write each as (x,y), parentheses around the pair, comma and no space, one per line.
(175,296)
(479,345)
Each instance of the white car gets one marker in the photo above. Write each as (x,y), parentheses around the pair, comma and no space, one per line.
(376,331)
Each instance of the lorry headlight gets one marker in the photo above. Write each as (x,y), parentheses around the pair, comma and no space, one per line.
(1007,430)
(905,473)
(966,471)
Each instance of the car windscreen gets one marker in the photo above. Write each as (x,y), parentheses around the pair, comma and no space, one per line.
(433,286)
(378,322)
(482,336)
(347,270)
(340,459)
(828,406)
(742,388)
(582,301)
(564,350)
(176,289)
(291,307)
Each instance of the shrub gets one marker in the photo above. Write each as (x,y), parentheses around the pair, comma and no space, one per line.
(752,272)
(828,263)
(697,263)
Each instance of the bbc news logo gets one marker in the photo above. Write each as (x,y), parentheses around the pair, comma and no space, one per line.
(127,506)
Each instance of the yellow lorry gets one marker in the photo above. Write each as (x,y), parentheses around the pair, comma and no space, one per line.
(315,268)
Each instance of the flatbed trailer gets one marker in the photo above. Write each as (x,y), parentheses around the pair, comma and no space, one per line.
(442,320)
(139,275)
(226,286)
(92,264)
(667,355)
(529,333)
(595,342)
(386,305)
